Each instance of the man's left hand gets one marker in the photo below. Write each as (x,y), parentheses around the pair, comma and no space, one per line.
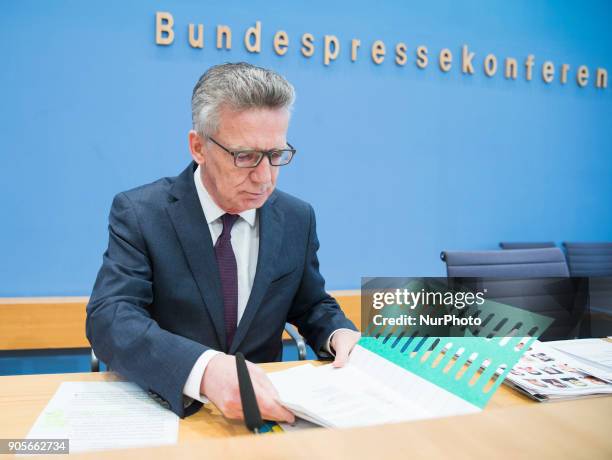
(343,342)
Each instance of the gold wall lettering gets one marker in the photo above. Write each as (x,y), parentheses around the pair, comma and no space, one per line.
(332,47)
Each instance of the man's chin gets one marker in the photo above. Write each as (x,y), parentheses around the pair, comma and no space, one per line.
(255,201)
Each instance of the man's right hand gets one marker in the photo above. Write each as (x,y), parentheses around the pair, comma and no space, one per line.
(220,386)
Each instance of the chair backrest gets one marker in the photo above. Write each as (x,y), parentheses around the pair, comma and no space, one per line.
(519,263)
(535,280)
(526,245)
(589,259)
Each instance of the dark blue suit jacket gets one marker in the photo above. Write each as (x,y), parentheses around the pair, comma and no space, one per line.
(157,305)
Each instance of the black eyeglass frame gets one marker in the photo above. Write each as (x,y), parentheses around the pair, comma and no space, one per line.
(262,153)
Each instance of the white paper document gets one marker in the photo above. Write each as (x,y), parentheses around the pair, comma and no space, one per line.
(369,390)
(595,352)
(105,415)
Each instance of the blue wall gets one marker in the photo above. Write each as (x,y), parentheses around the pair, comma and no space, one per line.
(399,162)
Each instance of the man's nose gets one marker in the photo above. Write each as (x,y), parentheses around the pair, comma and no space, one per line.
(262,173)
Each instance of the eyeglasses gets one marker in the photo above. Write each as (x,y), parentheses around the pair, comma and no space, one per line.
(252,158)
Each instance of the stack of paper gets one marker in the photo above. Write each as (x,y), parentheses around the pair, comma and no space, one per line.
(544,374)
(105,415)
(369,390)
(596,353)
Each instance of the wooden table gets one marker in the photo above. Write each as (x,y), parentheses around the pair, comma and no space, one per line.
(511,425)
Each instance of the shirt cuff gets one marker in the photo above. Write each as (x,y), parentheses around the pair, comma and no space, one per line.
(328,347)
(194,381)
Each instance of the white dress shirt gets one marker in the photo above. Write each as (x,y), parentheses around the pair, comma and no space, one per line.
(245,243)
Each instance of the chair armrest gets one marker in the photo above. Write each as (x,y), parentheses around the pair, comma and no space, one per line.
(95,362)
(299,340)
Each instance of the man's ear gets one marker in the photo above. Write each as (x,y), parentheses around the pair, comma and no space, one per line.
(197,147)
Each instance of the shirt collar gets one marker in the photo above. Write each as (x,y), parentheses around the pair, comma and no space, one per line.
(210,208)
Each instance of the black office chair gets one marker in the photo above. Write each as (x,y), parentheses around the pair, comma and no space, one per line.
(594,260)
(520,263)
(535,280)
(589,259)
(289,328)
(526,245)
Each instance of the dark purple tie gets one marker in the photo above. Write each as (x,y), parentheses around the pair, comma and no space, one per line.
(229,276)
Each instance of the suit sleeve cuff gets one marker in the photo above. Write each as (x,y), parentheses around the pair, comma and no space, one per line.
(194,381)
(328,347)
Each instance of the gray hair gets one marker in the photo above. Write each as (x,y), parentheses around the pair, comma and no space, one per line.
(238,86)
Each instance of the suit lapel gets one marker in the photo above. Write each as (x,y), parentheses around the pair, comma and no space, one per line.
(190,224)
(270,240)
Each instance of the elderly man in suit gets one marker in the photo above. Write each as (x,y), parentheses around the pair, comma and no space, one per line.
(216,260)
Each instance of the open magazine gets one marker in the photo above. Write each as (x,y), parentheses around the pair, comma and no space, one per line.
(544,373)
